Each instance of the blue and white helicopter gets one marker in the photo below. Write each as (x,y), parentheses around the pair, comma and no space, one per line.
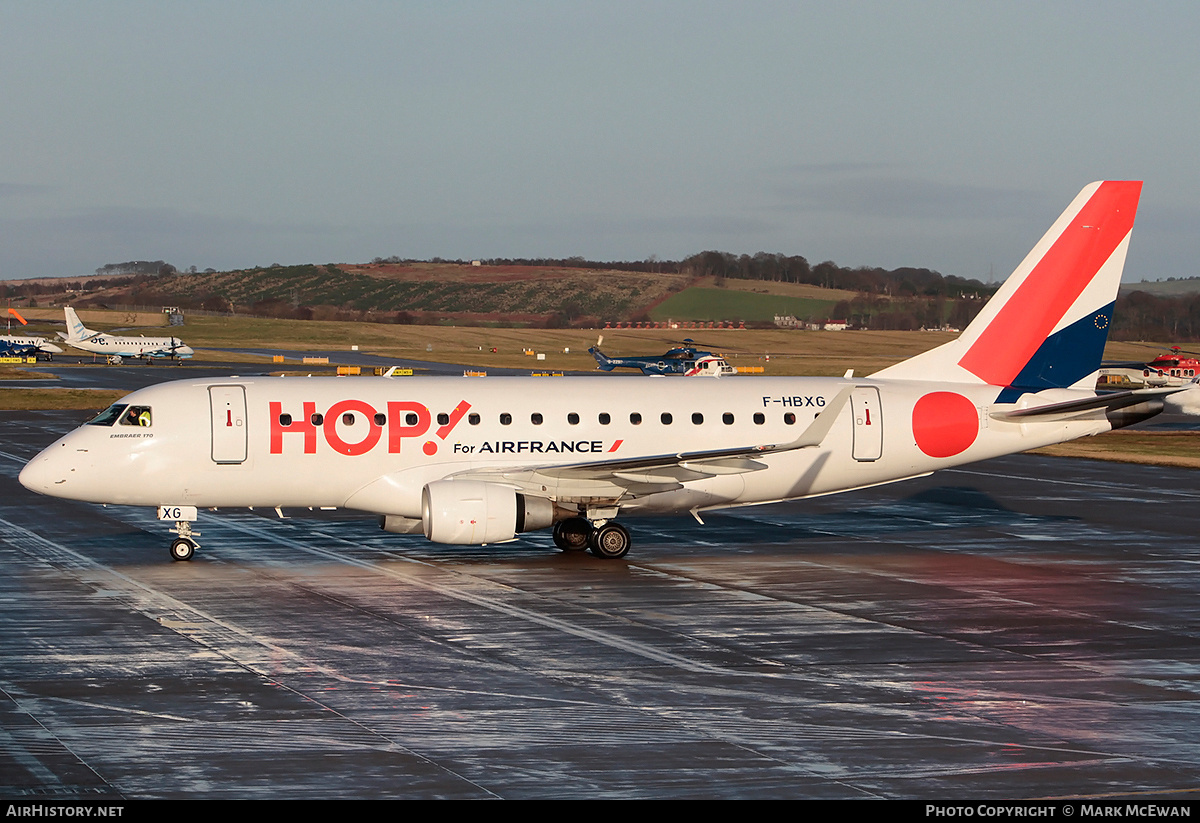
(686,360)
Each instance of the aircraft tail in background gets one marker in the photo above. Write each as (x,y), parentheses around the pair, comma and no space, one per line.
(76,331)
(602,361)
(1047,325)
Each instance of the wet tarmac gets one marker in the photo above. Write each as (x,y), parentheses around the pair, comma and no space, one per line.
(1023,628)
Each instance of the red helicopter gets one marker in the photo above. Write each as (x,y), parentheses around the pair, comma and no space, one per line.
(1175,369)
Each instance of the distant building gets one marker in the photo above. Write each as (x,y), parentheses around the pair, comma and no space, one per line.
(786,321)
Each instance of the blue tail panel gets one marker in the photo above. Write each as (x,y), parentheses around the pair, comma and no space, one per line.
(1064,358)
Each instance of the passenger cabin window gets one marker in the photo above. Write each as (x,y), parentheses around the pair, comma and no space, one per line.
(666,418)
(473,419)
(789,418)
(443,419)
(536,418)
(697,418)
(759,418)
(727,418)
(285,420)
(380,419)
(573,419)
(505,419)
(411,419)
(347,419)
(635,418)
(317,418)
(604,419)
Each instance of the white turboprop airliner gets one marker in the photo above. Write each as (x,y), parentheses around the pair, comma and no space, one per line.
(115,346)
(40,343)
(478,461)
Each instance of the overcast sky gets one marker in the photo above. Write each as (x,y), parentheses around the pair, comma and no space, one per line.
(940,134)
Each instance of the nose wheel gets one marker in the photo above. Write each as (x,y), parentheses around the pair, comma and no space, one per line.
(183,549)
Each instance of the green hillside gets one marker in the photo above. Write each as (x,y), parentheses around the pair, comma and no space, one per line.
(699,303)
(1172,287)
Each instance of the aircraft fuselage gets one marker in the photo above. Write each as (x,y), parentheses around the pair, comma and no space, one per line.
(373,445)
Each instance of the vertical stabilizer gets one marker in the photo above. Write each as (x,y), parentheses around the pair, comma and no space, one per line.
(76,331)
(1047,325)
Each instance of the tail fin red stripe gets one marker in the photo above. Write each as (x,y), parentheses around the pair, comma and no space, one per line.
(1055,283)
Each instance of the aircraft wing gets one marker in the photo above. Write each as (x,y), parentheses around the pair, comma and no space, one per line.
(639,476)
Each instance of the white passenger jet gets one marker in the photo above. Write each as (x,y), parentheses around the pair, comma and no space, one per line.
(478,461)
(116,347)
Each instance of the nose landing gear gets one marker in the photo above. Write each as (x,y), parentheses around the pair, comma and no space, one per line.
(184,546)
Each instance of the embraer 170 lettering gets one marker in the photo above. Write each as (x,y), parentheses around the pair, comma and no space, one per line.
(480,461)
(116,347)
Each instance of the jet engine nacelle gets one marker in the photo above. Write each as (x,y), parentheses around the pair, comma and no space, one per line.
(471,512)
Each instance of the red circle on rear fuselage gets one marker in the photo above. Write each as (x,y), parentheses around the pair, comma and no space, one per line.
(944,424)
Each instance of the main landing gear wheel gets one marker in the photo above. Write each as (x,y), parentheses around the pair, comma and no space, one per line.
(183,549)
(572,535)
(610,541)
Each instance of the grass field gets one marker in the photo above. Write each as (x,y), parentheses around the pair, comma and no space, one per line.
(1154,448)
(725,304)
(52,398)
(779,351)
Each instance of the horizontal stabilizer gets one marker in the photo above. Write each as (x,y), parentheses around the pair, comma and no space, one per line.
(1069,408)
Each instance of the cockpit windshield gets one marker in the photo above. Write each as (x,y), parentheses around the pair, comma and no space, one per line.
(124,414)
(108,416)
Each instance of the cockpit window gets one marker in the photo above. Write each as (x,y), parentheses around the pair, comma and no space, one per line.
(108,416)
(136,416)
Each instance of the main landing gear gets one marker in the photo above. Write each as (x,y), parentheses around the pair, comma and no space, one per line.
(609,540)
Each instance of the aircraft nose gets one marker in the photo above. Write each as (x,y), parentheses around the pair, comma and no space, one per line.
(47,473)
(35,476)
